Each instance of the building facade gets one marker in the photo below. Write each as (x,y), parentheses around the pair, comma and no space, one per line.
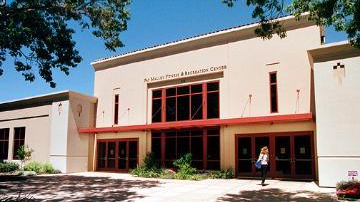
(220,96)
(49,124)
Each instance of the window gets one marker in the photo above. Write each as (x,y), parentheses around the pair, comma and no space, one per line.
(273,92)
(203,144)
(116,109)
(188,102)
(4,143)
(19,140)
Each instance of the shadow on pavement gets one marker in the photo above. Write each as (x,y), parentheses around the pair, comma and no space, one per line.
(276,195)
(76,188)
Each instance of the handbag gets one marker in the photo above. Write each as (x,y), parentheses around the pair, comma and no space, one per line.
(258,164)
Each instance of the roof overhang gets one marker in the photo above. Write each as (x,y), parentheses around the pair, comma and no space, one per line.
(203,123)
(197,42)
(334,51)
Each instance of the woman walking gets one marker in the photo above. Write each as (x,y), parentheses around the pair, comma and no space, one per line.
(264,158)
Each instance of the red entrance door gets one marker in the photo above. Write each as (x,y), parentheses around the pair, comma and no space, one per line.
(291,155)
(117,154)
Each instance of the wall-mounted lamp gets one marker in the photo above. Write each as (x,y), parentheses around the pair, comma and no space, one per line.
(79,109)
(59,108)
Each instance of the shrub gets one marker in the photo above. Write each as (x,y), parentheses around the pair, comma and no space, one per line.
(40,168)
(7,167)
(24,154)
(144,172)
(222,174)
(48,168)
(185,171)
(348,189)
(33,166)
(150,162)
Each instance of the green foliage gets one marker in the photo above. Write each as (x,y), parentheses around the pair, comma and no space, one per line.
(40,168)
(185,171)
(36,33)
(150,162)
(344,15)
(7,167)
(24,153)
(222,174)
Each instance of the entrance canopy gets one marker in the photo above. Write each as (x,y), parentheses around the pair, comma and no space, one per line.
(202,123)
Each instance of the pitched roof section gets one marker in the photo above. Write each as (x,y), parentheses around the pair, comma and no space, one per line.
(192,43)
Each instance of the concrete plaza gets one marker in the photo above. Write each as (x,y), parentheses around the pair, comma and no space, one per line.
(95,186)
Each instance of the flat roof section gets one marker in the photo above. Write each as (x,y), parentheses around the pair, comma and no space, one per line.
(333,51)
(44,99)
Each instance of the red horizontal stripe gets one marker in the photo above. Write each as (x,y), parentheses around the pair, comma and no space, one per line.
(202,123)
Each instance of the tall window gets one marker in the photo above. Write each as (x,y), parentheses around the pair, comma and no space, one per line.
(4,143)
(19,140)
(116,109)
(203,144)
(273,92)
(190,102)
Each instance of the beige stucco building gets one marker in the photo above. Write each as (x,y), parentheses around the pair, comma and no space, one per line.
(49,124)
(220,96)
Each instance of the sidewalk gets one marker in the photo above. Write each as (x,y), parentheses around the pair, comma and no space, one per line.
(96,186)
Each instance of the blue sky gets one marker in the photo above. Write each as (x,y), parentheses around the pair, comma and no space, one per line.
(152,22)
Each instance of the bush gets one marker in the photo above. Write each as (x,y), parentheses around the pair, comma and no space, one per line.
(7,167)
(185,171)
(222,174)
(150,162)
(40,168)
(348,189)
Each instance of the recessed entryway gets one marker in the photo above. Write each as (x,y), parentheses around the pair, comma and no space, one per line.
(291,154)
(117,154)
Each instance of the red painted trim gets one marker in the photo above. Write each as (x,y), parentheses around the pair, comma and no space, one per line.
(203,123)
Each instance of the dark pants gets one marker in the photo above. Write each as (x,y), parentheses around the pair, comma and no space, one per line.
(263,173)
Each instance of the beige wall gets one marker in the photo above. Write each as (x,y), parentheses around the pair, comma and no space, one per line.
(81,115)
(37,129)
(338,124)
(247,73)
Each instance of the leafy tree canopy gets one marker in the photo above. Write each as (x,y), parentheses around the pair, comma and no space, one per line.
(36,32)
(344,15)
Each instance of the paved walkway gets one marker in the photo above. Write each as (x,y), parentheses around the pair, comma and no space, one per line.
(123,187)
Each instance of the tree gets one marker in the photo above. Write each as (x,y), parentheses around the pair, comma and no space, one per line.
(344,15)
(23,154)
(36,33)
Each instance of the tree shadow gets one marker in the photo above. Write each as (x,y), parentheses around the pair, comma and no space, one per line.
(276,195)
(76,188)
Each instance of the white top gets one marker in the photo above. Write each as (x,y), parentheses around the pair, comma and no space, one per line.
(264,159)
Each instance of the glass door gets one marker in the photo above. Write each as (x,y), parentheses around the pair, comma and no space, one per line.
(117,155)
(133,154)
(303,156)
(245,159)
(283,160)
(122,155)
(111,155)
(101,160)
